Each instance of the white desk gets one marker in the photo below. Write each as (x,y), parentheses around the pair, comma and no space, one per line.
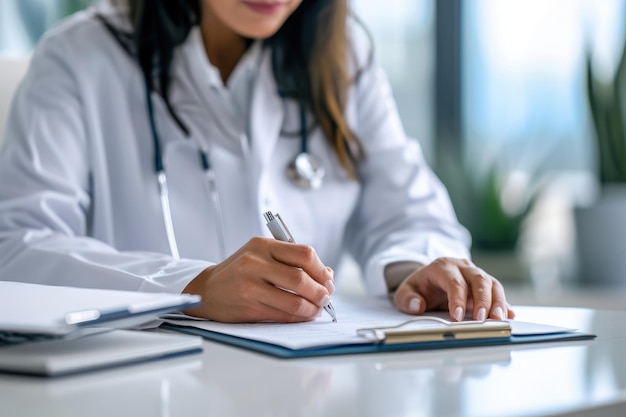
(576,379)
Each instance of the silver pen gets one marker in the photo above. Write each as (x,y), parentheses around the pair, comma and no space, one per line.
(279,230)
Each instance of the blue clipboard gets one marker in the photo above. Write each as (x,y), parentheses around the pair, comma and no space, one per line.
(375,346)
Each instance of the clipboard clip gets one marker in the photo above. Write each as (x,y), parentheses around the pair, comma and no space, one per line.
(471,329)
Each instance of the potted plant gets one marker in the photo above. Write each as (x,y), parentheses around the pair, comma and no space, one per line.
(492,197)
(601,226)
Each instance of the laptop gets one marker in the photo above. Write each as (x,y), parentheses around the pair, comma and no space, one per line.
(55,330)
(97,351)
(55,311)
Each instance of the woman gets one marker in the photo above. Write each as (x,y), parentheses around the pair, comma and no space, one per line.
(148,139)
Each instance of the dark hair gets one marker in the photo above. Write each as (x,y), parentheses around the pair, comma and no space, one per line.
(309,60)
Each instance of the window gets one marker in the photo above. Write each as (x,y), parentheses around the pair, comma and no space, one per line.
(525,119)
(403,35)
(22,22)
(524,97)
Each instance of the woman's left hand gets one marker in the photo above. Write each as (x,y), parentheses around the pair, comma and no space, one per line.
(456,285)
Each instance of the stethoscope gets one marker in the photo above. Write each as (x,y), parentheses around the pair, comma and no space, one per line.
(304,170)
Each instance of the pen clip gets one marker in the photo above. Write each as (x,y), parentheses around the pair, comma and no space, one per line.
(277,227)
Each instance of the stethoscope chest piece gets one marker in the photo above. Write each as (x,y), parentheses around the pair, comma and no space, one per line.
(305,171)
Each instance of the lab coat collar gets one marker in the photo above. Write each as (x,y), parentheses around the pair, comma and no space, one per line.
(195,45)
(266,110)
(199,84)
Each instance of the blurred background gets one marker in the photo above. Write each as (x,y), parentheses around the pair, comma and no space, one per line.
(518,107)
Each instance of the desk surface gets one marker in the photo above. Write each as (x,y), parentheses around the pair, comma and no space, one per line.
(565,378)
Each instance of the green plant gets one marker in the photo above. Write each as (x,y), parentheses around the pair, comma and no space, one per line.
(71,6)
(492,205)
(606,103)
(494,190)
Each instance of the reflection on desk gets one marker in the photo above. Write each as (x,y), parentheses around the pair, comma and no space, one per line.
(253,384)
(559,378)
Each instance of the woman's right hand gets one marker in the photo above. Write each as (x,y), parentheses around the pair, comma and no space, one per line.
(250,285)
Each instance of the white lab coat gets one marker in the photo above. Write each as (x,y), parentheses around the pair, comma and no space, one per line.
(79,202)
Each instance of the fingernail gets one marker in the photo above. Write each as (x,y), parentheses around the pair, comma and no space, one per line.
(330,271)
(325,301)
(458,314)
(482,314)
(498,313)
(330,285)
(414,305)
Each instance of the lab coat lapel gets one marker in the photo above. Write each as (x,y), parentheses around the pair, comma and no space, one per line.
(267,113)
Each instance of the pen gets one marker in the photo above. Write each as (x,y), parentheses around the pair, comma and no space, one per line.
(279,230)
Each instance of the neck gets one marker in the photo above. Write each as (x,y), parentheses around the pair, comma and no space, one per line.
(223,46)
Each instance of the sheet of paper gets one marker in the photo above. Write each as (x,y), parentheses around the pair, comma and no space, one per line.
(353,313)
(522,328)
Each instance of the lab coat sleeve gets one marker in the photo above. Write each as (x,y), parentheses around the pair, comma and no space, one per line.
(404,212)
(45,193)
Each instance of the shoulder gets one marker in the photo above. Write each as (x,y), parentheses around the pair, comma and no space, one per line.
(366,74)
(82,36)
(360,48)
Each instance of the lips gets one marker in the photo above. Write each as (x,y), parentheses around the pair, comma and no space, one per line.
(265,8)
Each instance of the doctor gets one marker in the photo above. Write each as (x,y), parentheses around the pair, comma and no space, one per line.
(149,137)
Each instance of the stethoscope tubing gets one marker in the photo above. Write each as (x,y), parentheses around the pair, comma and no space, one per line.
(308,178)
(161,176)
(210,184)
(167,214)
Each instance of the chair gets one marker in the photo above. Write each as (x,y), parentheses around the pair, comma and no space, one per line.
(11,72)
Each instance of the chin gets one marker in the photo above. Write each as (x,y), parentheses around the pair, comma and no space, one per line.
(258,31)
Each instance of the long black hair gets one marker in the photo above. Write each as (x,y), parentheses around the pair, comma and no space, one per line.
(309,59)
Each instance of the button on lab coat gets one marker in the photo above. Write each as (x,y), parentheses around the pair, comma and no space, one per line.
(79,202)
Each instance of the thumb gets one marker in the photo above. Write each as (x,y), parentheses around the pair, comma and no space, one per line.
(409,301)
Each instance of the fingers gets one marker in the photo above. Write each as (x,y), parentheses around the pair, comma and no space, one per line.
(499,306)
(456,285)
(457,290)
(285,306)
(409,301)
(511,314)
(298,281)
(482,287)
(265,280)
(300,270)
(445,284)
(243,296)
(487,295)
(304,257)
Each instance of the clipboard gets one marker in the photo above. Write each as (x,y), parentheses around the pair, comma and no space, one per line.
(371,325)
(283,352)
